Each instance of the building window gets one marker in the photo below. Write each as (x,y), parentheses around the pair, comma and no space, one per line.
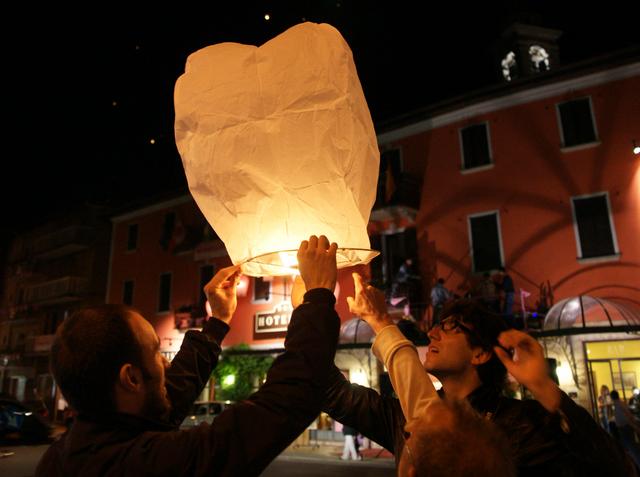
(132,237)
(261,290)
(167,230)
(486,244)
(577,125)
(475,146)
(206,274)
(164,299)
(127,292)
(593,224)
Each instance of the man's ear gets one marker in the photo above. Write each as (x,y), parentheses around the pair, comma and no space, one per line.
(480,356)
(130,378)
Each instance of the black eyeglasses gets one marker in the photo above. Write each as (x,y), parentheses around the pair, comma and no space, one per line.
(451,324)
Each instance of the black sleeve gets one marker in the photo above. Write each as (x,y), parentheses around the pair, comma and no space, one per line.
(376,417)
(192,366)
(247,436)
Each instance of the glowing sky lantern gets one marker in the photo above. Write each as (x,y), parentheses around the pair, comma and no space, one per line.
(277,144)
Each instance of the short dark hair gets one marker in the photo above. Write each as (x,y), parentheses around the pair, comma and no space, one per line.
(440,280)
(614,395)
(469,446)
(87,353)
(486,326)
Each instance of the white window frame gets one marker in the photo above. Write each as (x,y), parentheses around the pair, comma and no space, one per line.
(133,294)
(586,145)
(253,291)
(483,167)
(470,234)
(576,231)
(159,311)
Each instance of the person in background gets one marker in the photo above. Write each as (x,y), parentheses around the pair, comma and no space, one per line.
(439,297)
(627,425)
(634,402)
(488,294)
(403,282)
(605,408)
(350,450)
(508,292)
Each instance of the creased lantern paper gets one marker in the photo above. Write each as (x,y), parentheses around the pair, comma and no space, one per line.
(277,144)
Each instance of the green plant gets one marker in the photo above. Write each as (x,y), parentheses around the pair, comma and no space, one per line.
(238,375)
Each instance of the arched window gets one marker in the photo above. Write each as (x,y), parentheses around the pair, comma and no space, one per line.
(539,58)
(509,66)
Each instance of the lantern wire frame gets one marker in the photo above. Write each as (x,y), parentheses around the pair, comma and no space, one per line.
(285,262)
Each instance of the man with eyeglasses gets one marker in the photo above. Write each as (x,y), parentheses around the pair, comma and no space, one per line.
(470,352)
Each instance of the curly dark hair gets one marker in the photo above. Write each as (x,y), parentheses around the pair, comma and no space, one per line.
(436,450)
(88,351)
(486,327)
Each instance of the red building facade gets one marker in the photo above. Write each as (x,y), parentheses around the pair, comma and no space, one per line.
(540,177)
(162,256)
(542,181)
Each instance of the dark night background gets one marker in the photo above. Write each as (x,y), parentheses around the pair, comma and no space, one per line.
(87,90)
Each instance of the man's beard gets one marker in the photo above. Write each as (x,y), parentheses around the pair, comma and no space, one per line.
(156,405)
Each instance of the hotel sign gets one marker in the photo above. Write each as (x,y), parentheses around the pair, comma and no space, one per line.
(274,321)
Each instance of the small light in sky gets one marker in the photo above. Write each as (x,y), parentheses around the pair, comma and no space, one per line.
(114,103)
(267,17)
(152,141)
(137,47)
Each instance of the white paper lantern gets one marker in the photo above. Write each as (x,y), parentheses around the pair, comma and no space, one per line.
(277,144)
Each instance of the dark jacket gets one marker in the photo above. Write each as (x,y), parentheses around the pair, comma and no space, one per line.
(242,440)
(568,443)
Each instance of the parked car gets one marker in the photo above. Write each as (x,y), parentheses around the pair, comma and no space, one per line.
(204,412)
(24,422)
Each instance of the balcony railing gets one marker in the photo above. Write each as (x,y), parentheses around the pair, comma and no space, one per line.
(57,291)
(62,242)
(39,344)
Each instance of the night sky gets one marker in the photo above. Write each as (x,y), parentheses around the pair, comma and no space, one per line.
(88,91)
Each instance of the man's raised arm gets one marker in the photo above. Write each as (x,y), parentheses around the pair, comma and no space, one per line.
(247,436)
(192,366)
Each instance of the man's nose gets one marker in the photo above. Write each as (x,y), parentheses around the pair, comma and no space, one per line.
(434,333)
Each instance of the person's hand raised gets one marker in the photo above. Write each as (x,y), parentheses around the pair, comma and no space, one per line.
(526,363)
(221,293)
(369,303)
(317,263)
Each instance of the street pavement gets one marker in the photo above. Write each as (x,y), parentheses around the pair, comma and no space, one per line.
(308,461)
